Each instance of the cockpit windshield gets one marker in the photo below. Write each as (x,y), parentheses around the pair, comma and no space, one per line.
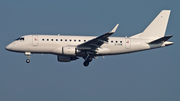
(21,39)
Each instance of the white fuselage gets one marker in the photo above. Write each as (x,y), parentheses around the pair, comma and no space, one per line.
(53,44)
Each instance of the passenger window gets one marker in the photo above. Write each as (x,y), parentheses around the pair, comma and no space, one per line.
(56,39)
(120,41)
(65,39)
(74,40)
(111,41)
(116,41)
(70,40)
(42,39)
(47,39)
(51,39)
(79,40)
(84,40)
(61,40)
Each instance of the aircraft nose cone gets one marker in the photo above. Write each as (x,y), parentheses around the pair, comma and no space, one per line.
(8,47)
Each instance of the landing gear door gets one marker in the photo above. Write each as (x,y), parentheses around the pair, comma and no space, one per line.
(35,40)
(128,43)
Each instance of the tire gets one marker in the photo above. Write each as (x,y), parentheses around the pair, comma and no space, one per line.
(86,63)
(27,61)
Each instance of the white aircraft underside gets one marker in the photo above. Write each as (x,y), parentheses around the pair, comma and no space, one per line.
(68,48)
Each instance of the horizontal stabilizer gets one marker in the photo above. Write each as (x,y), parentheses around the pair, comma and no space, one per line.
(160,40)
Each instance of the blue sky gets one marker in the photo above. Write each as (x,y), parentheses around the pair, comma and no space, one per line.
(142,76)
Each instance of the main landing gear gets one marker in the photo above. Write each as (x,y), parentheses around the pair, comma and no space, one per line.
(87,60)
(28,54)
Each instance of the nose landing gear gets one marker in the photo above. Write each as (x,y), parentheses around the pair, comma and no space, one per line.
(28,54)
(28,60)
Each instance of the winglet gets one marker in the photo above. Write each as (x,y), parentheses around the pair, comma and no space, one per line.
(114,29)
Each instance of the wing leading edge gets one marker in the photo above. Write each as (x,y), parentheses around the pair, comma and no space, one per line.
(98,41)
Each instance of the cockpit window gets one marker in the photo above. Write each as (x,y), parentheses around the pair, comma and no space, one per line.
(21,39)
(17,38)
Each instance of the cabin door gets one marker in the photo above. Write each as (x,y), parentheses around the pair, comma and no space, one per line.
(35,40)
(128,43)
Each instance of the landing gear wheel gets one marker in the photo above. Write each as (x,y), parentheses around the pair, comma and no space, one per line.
(86,63)
(27,61)
(89,59)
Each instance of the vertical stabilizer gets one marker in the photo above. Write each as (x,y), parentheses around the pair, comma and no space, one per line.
(157,27)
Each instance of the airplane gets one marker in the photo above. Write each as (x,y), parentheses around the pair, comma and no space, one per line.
(69,48)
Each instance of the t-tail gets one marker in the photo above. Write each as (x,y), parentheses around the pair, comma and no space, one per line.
(155,32)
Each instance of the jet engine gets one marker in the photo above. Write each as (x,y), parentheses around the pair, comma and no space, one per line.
(66,58)
(68,50)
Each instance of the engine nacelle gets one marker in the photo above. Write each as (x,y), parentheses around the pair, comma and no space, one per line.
(66,58)
(68,50)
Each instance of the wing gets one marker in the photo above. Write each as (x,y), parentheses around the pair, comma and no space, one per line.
(98,41)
